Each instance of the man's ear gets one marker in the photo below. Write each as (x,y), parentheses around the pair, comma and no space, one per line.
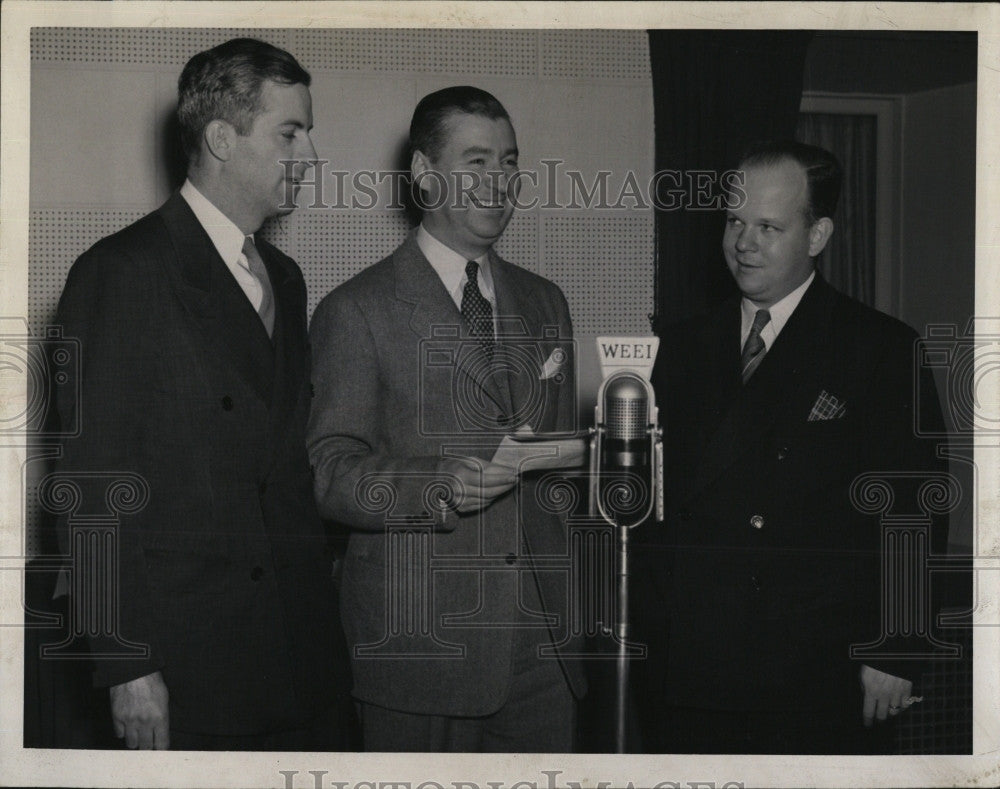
(218,137)
(431,183)
(819,234)
(419,164)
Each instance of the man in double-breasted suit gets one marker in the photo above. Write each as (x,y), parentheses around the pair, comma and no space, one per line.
(767,570)
(453,593)
(195,385)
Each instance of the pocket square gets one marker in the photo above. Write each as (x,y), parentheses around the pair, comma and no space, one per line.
(553,364)
(827,406)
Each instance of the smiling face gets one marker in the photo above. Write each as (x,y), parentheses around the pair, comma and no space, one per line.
(768,243)
(259,185)
(469,187)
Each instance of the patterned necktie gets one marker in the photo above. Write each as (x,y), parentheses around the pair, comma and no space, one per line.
(257,268)
(477,310)
(753,348)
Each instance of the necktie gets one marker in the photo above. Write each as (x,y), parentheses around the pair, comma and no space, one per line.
(753,348)
(477,310)
(257,268)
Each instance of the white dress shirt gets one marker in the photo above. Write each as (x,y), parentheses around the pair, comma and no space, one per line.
(228,240)
(780,311)
(450,267)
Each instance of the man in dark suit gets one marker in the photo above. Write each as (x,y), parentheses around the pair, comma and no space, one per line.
(195,384)
(422,363)
(766,571)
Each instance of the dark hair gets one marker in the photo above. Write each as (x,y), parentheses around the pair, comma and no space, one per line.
(225,83)
(428,126)
(823,173)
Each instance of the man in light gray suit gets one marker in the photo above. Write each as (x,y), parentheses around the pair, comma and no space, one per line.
(454,602)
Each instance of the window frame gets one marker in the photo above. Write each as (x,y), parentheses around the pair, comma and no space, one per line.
(888,167)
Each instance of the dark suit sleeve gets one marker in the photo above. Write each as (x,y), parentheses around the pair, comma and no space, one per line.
(103,307)
(905,397)
(346,435)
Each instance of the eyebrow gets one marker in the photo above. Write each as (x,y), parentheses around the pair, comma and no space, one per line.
(479,150)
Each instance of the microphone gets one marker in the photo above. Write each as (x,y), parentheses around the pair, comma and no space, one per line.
(626,452)
(626,486)
(626,404)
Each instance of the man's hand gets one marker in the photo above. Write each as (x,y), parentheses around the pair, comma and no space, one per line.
(884,694)
(140,714)
(481,482)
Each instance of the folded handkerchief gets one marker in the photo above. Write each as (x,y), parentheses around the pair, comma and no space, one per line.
(827,406)
(553,364)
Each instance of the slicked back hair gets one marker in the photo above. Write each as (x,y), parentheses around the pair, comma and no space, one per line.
(225,83)
(823,173)
(428,128)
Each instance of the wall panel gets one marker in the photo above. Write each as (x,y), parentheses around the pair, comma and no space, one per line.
(102,99)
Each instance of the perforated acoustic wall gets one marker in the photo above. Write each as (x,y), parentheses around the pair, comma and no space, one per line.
(102,99)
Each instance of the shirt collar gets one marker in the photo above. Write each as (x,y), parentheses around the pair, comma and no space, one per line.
(226,236)
(450,266)
(780,311)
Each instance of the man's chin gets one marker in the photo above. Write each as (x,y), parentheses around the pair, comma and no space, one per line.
(492,227)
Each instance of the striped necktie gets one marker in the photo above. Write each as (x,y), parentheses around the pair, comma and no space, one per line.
(257,268)
(477,311)
(753,348)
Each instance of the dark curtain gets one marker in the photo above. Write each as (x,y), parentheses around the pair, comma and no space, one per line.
(848,262)
(714,92)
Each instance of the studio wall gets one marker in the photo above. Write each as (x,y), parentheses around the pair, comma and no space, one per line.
(101,147)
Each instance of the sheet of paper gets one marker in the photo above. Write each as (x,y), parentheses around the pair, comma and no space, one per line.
(533,455)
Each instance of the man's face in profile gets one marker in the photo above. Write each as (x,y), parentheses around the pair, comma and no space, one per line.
(768,243)
(280,132)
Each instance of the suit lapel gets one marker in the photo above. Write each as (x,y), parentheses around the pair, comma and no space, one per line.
(216,302)
(790,364)
(518,317)
(434,310)
(289,370)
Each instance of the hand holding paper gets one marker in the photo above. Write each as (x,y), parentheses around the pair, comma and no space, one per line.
(481,483)
(478,483)
(524,451)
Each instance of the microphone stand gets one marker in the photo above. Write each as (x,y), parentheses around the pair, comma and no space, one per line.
(623,633)
(622,625)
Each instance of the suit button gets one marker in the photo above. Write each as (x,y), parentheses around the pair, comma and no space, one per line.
(312,390)
(782,453)
(755,581)
(510,558)
(757,521)
(227,403)
(256,573)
